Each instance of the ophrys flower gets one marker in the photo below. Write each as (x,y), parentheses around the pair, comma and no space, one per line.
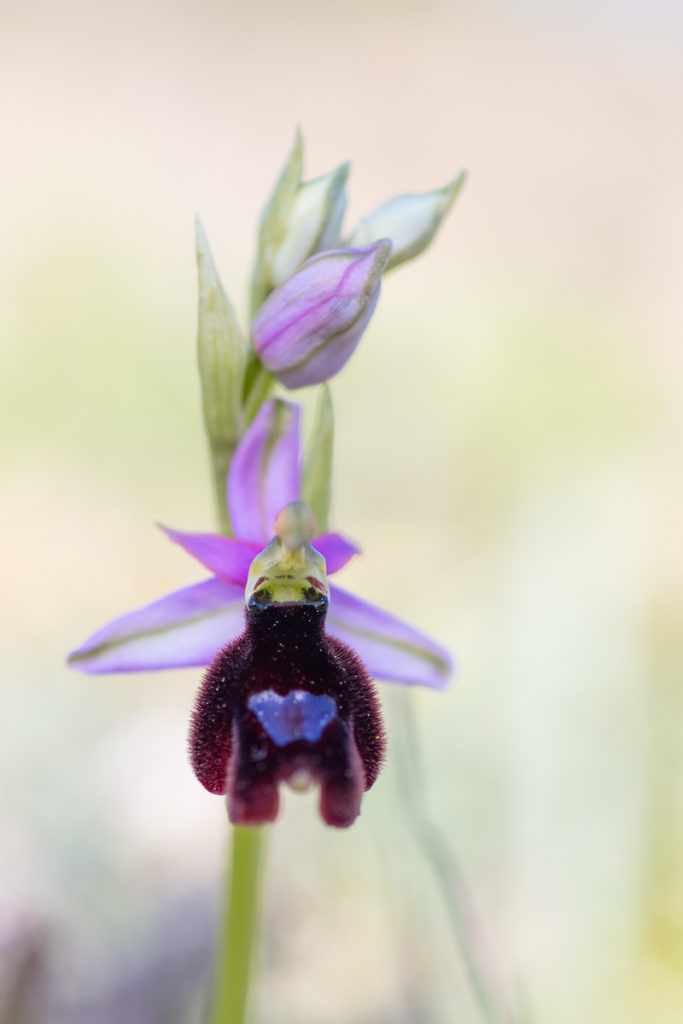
(189,626)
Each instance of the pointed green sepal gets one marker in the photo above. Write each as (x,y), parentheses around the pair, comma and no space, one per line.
(221,353)
(317,484)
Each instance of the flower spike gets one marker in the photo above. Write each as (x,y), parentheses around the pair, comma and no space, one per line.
(288,694)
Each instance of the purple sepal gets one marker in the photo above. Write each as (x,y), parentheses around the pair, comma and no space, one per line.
(227,558)
(390,649)
(336,550)
(230,559)
(265,473)
(185,628)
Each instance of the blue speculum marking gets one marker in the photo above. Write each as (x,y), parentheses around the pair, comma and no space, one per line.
(298,716)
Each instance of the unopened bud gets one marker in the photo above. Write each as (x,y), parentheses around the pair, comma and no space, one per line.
(410,221)
(313,224)
(300,219)
(308,328)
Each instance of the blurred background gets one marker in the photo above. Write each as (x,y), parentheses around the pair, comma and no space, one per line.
(508,455)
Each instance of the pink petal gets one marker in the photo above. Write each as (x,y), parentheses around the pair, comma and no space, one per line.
(336,550)
(182,629)
(265,474)
(229,559)
(390,648)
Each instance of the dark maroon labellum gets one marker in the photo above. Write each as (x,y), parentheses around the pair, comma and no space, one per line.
(282,702)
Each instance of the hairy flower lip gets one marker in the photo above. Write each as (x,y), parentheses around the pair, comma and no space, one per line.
(284,698)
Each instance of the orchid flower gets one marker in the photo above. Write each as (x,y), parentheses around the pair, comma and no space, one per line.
(189,626)
(286,702)
(282,680)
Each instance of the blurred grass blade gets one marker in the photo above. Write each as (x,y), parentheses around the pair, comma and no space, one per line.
(457,901)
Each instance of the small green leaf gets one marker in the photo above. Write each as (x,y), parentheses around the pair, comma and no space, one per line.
(317,484)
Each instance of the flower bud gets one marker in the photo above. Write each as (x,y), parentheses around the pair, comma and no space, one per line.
(300,219)
(308,328)
(313,224)
(410,221)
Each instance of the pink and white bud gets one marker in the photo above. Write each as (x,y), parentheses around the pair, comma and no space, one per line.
(307,329)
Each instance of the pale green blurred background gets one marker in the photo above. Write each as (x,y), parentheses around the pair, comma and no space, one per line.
(509,456)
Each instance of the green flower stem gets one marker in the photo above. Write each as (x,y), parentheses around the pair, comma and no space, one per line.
(239,927)
(317,483)
(221,457)
(240,912)
(260,385)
